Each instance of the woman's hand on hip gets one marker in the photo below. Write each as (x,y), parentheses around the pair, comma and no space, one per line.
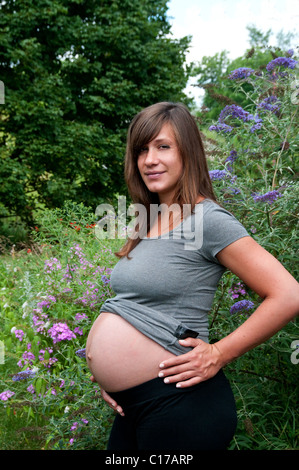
(106,397)
(202,363)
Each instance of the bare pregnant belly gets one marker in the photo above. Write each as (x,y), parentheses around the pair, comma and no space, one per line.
(119,356)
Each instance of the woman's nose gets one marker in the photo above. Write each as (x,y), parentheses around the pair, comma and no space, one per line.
(151,157)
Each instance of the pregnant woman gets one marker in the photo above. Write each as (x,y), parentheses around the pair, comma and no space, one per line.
(149,348)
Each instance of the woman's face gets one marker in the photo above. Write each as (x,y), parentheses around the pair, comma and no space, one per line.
(160,164)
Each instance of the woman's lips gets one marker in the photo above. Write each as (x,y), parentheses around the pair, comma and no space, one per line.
(154,175)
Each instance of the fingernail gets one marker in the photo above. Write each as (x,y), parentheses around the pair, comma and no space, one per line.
(166,381)
(161,365)
(178,385)
(161,374)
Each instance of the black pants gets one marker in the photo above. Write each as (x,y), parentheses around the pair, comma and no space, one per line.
(160,416)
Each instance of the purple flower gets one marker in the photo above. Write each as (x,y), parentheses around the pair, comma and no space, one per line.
(27,357)
(80,316)
(221,126)
(4,396)
(268,197)
(286,62)
(19,334)
(60,332)
(237,290)
(74,426)
(231,158)
(235,111)
(105,279)
(81,352)
(241,72)
(23,375)
(217,174)
(290,53)
(241,306)
(30,389)
(270,104)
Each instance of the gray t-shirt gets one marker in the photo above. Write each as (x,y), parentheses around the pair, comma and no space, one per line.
(170,281)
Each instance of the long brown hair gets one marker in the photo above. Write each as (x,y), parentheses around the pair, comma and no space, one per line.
(195,179)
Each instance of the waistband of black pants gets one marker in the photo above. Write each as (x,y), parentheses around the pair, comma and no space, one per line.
(157,388)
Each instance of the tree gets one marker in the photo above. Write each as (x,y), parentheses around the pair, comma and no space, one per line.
(75,73)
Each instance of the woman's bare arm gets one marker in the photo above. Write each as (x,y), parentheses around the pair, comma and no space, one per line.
(260,271)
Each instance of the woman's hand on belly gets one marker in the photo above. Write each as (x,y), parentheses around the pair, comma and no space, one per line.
(112,403)
(200,364)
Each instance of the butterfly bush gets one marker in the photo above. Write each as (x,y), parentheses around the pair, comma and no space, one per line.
(285,62)
(241,306)
(268,197)
(241,72)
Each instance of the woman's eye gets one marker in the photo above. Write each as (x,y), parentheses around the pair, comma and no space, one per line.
(164,147)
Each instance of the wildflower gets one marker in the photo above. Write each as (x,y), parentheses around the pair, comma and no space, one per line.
(217,174)
(241,306)
(4,396)
(256,126)
(221,126)
(290,53)
(235,111)
(74,426)
(231,158)
(60,332)
(27,358)
(23,375)
(78,331)
(105,280)
(270,104)
(237,290)
(30,389)
(241,72)
(286,62)
(19,334)
(268,197)
(81,352)
(80,316)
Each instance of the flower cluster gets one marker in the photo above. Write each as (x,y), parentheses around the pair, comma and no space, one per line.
(52,264)
(76,427)
(285,62)
(217,174)
(4,396)
(237,290)
(270,104)
(19,334)
(24,375)
(235,112)
(233,155)
(268,197)
(60,332)
(241,306)
(241,72)
(81,352)
(221,127)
